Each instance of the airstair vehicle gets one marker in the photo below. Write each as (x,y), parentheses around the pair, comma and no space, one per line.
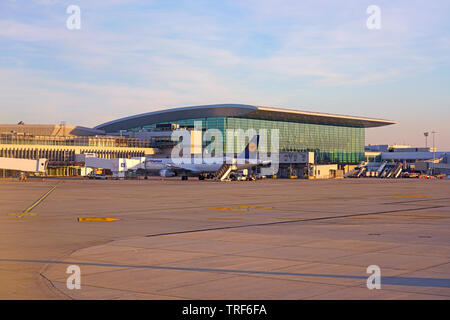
(381,168)
(357,171)
(397,170)
(223,172)
(386,171)
(360,172)
(389,173)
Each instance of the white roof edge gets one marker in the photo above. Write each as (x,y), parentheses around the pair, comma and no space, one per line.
(246,106)
(176,109)
(321,114)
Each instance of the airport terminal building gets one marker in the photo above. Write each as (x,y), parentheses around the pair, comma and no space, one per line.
(334,139)
(311,144)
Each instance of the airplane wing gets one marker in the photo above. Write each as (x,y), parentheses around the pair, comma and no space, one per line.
(182,169)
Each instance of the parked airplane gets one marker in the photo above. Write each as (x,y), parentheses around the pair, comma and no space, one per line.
(209,166)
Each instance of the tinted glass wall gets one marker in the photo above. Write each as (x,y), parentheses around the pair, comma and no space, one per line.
(331,144)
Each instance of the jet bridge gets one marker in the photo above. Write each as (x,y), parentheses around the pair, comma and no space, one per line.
(24,165)
(118,166)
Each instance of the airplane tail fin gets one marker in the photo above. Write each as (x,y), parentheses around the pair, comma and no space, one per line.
(250,152)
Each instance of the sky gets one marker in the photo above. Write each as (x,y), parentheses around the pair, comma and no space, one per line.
(131,57)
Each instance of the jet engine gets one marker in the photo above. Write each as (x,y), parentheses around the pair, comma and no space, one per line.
(166,173)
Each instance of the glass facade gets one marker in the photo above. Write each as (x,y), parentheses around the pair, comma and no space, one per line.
(331,144)
(99,141)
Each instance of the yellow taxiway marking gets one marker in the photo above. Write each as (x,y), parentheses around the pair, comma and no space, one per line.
(97,219)
(255,207)
(413,196)
(27,211)
(230,209)
(153,219)
(41,199)
(430,217)
(21,214)
(242,208)
(420,216)
(362,218)
(226,219)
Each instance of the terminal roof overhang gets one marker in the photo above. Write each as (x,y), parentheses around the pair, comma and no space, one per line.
(55,130)
(240,110)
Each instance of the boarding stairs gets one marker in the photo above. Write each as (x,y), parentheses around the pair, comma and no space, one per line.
(381,168)
(386,171)
(358,171)
(397,170)
(223,172)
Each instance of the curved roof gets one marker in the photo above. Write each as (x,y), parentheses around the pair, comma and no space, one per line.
(49,130)
(240,110)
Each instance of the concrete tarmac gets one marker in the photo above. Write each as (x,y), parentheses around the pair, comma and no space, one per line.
(269,239)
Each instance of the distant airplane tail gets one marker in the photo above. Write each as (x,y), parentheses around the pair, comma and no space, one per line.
(250,152)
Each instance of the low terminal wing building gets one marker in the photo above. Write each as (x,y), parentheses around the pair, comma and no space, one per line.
(62,146)
(334,139)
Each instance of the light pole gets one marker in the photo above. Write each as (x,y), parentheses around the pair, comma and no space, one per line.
(434,150)
(426,138)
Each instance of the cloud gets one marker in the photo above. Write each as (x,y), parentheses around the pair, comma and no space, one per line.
(46,2)
(18,31)
(137,56)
